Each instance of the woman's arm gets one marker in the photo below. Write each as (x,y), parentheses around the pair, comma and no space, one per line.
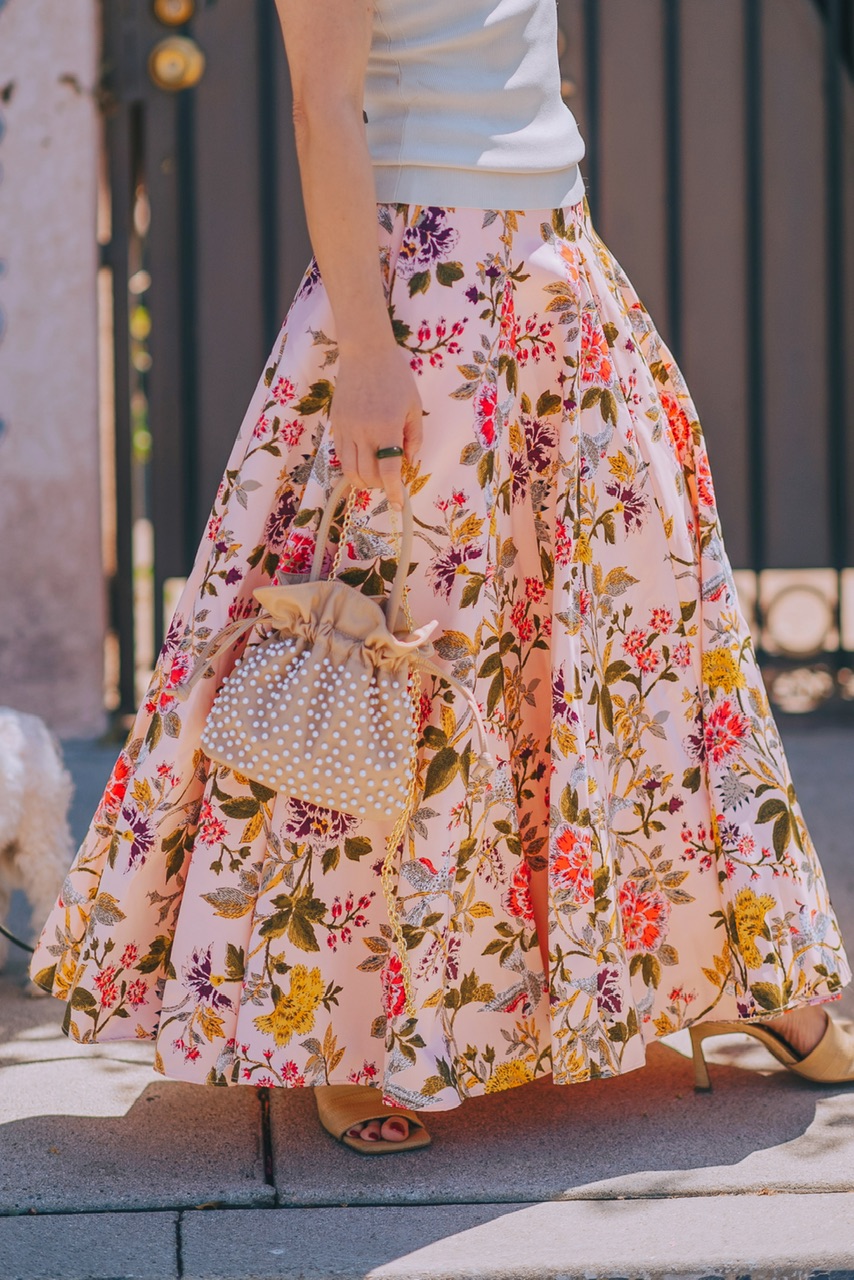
(376,401)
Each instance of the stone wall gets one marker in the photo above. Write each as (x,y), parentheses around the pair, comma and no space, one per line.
(52,598)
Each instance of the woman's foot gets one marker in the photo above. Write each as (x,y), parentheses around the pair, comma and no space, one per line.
(394,1129)
(802,1028)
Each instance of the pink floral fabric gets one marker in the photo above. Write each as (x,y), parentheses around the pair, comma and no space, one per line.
(568,545)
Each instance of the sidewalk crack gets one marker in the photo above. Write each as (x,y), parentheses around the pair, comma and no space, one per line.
(266,1136)
(179,1246)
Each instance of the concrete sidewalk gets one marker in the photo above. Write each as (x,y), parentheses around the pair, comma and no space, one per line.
(108,1170)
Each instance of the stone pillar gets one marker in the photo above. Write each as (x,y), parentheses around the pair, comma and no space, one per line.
(52,591)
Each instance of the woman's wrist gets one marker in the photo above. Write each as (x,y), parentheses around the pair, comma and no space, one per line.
(371,338)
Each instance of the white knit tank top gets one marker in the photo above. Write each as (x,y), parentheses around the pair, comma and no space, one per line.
(464,108)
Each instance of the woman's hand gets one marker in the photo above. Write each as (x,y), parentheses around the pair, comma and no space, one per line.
(376,405)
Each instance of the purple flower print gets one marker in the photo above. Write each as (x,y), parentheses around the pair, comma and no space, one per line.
(279,522)
(608,996)
(322,827)
(197,976)
(430,240)
(634,504)
(143,836)
(442,570)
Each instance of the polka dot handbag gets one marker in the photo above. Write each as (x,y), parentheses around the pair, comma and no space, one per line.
(322,707)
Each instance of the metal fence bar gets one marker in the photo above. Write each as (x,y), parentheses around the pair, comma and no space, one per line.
(755,311)
(835,251)
(121,594)
(187,329)
(592,104)
(673,168)
(268,203)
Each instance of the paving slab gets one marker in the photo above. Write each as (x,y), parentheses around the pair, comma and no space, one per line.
(643,1134)
(90,1246)
(94,1127)
(745,1237)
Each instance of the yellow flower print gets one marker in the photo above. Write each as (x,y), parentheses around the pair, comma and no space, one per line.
(294,1013)
(721,671)
(508,1074)
(749,923)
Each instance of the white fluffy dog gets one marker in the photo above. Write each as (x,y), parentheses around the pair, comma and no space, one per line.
(35,840)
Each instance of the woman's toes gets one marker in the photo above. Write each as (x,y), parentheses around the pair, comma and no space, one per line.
(369,1132)
(395,1129)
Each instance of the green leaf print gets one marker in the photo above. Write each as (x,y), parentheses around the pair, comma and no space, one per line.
(548,403)
(319,399)
(441,771)
(767,995)
(83,999)
(447,273)
(235,963)
(156,956)
(356,847)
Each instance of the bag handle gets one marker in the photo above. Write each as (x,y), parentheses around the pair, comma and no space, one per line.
(395,598)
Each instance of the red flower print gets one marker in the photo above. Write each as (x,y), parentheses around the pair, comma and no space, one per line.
(645,917)
(137,992)
(635,645)
(262,426)
(292,1076)
(509,332)
(682,654)
(214,525)
(647,660)
(114,794)
(425,706)
(678,424)
(485,405)
(595,355)
(725,727)
(571,866)
(211,830)
(660,620)
(563,543)
(107,988)
(517,900)
(534,589)
(298,553)
(394,993)
(129,955)
(520,622)
(291,432)
(283,391)
(704,482)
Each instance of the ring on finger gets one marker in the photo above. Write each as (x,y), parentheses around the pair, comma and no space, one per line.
(389,451)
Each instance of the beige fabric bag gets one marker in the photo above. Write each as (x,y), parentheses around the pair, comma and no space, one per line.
(322,707)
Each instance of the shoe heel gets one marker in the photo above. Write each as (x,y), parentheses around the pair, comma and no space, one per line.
(702,1082)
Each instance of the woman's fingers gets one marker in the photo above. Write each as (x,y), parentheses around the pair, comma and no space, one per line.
(376,407)
(391,480)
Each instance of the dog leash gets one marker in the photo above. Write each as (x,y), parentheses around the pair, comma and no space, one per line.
(17,941)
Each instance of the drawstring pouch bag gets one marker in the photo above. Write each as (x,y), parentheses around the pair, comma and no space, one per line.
(324,707)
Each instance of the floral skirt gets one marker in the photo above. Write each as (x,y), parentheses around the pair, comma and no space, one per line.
(567,542)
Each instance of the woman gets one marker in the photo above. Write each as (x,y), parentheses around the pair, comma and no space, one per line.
(637,862)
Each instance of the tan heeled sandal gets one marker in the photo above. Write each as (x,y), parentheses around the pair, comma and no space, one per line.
(830,1062)
(341,1106)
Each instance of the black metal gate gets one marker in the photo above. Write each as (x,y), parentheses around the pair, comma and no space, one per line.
(719,168)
